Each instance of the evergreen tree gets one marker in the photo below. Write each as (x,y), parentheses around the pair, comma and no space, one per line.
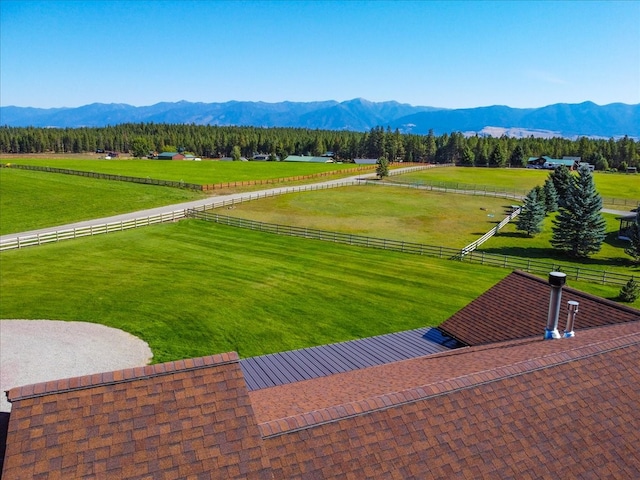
(468,157)
(634,236)
(236,153)
(579,229)
(532,214)
(561,178)
(498,157)
(630,291)
(382,170)
(550,196)
(517,157)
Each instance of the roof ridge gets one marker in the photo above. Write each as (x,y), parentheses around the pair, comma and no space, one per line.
(119,376)
(356,408)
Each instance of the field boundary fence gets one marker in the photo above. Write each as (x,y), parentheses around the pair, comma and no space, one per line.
(494,260)
(217,186)
(51,236)
(87,231)
(492,191)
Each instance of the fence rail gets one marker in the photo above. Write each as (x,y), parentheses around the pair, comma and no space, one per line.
(491,191)
(182,184)
(67,234)
(474,245)
(503,261)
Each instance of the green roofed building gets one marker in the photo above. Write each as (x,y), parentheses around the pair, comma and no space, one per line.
(308,159)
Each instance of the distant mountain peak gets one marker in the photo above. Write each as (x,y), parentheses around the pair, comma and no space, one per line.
(359,114)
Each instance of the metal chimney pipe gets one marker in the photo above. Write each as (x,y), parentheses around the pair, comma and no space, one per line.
(572,306)
(556,281)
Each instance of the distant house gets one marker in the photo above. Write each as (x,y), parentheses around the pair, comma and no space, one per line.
(170,156)
(308,159)
(549,163)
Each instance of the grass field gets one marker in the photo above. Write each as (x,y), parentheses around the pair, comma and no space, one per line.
(610,185)
(31,200)
(201,173)
(194,288)
(431,218)
(409,215)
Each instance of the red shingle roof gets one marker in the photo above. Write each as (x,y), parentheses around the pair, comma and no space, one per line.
(569,411)
(174,420)
(517,307)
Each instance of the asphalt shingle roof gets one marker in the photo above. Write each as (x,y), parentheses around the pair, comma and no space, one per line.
(518,306)
(571,413)
(174,420)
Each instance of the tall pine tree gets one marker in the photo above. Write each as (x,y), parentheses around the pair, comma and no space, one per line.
(579,229)
(532,214)
(561,178)
(550,196)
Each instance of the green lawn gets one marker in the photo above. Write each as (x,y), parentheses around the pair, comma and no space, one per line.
(609,185)
(194,288)
(31,200)
(611,256)
(201,173)
(409,215)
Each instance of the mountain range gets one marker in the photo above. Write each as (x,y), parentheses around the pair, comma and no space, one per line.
(560,120)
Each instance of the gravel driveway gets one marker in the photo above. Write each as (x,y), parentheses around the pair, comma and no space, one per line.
(34,351)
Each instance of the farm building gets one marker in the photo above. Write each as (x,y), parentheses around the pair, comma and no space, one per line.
(365,161)
(550,163)
(308,159)
(170,156)
(507,404)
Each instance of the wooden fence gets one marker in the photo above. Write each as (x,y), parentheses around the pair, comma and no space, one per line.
(67,234)
(489,191)
(187,185)
(474,245)
(502,261)
(23,241)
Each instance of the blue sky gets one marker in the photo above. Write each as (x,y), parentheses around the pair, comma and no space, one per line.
(451,54)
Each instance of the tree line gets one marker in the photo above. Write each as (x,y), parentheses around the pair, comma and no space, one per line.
(209,141)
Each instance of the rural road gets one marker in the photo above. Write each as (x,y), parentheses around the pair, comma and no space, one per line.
(216,199)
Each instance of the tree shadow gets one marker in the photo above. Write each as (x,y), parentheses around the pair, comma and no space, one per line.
(554,256)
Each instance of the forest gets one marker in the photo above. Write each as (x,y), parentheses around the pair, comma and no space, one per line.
(138,139)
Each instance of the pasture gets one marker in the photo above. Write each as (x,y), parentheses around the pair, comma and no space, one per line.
(521,180)
(194,288)
(30,200)
(201,173)
(401,214)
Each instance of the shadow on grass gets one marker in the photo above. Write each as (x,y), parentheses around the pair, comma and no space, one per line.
(613,240)
(553,256)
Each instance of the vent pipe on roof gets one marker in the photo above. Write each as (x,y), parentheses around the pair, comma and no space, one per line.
(572,306)
(556,281)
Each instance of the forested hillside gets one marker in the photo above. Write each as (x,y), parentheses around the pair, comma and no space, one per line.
(213,142)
